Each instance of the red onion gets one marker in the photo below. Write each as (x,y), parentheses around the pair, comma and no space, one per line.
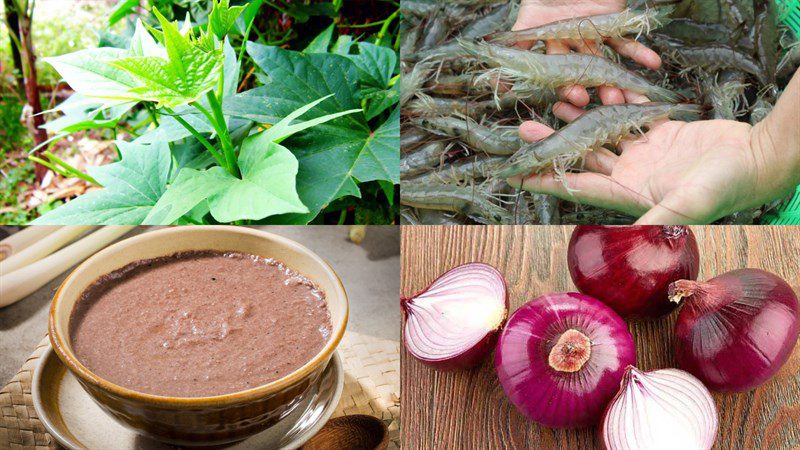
(561,357)
(735,331)
(453,323)
(663,409)
(630,268)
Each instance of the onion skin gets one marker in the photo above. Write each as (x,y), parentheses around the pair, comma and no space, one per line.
(441,329)
(735,331)
(630,268)
(558,398)
(662,409)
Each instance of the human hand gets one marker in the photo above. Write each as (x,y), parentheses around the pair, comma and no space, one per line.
(676,173)
(535,13)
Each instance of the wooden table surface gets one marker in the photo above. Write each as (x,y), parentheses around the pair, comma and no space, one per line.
(468,410)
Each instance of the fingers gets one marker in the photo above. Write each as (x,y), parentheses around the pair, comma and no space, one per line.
(577,95)
(636,51)
(589,188)
(567,111)
(633,97)
(522,23)
(610,95)
(531,131)
(600,160)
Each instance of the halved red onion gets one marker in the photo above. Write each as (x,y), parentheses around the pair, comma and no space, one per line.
(561,357)
(663,409)
(735,331)
(453,323)
(630,268)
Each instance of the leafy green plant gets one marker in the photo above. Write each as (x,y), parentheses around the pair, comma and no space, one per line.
(212,155)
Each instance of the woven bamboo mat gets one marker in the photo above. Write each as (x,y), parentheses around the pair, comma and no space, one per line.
(372,386)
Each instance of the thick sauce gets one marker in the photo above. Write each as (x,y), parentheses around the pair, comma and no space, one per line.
(199,324)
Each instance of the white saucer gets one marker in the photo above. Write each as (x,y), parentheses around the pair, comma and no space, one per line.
(77,423)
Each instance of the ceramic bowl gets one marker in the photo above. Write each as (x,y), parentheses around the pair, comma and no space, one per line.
(199,420)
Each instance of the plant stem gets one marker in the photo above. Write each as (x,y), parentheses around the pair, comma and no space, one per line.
(60,167)
(31,81)
(152,113)
(199,137)
(48,165)
(75,172)
(12,24)
(386,24)
(244,41)
(222,130)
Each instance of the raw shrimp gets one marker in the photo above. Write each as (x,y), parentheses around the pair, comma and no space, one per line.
(531,93)
(421,160)
(497,19)
(413,138)
(427,106)
(546,209)
(435,30)
(694,33)
(724,94)
(562,70)
(465,83)
(476,136)
(468,169)
(411,83)
(596,28)
(596,216)
(409,41)
(433,217)
(407,217)
(599,126)
(419,8)
(468,200)
(714,57)
(475,84)
(766,39)
(761,108)
(789,62)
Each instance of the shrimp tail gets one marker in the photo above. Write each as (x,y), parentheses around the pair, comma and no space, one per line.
(661,16)
(686,112)
(661,94)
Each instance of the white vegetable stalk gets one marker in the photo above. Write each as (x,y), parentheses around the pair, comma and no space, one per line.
(43,246)
(22,282)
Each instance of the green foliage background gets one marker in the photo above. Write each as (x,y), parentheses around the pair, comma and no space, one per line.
(301,52)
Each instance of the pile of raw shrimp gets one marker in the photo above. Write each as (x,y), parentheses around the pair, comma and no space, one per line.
(466,88)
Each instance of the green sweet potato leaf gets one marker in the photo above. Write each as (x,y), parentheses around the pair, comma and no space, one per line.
(190,70)
(334,157)
(266,186)
(222,17)
(132,187)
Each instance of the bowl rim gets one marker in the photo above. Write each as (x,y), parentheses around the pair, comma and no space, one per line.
(66,355)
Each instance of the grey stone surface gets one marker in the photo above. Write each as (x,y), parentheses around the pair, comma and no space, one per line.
(370,274)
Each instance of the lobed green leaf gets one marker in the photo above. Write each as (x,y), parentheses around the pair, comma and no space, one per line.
(222,17)
(336,155)
(132,187)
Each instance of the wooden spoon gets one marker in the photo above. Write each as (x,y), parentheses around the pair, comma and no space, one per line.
(356,432)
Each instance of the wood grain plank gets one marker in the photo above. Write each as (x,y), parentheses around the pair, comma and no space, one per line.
(468,410)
